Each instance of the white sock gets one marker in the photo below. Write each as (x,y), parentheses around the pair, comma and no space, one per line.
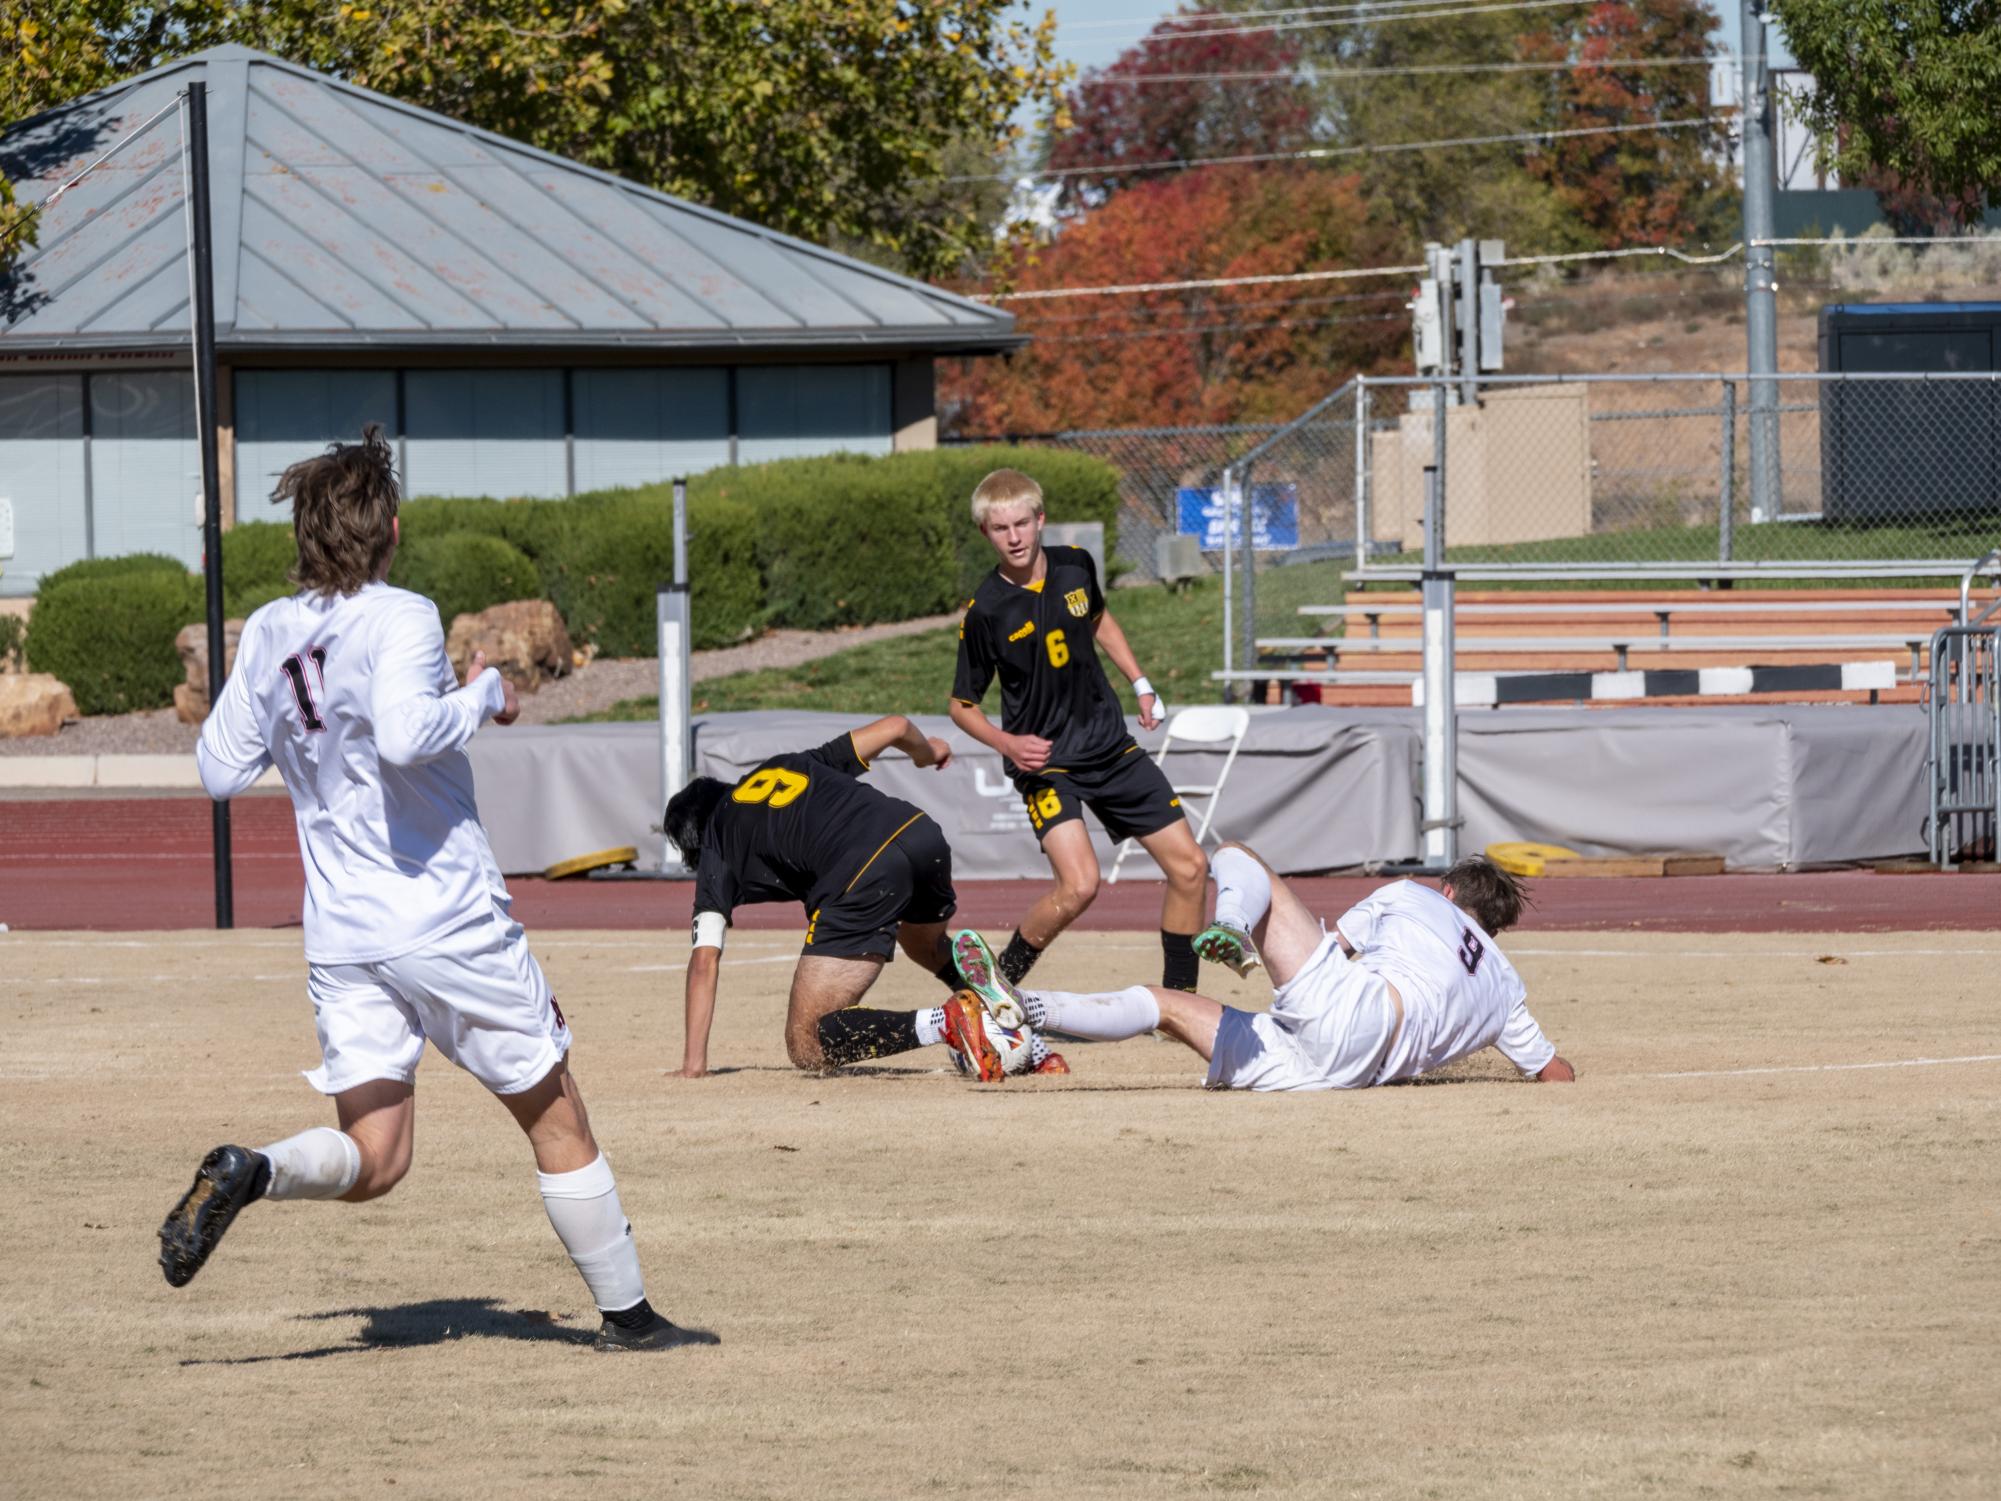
(318,1164)
(1243,890)
(1106,1017)
(930,1026)
(584,1208)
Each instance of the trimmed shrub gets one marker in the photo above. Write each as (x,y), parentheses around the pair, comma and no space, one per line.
(463,572)
(607,571)
(111,639)
(256,556)
(104,568)
(242,605)
(13,634)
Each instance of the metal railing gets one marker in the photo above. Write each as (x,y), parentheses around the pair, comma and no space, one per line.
(1963,703)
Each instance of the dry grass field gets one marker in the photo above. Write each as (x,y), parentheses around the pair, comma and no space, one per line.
(1730,1261)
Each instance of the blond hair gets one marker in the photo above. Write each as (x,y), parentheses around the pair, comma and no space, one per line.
(343,513)
(1004,487)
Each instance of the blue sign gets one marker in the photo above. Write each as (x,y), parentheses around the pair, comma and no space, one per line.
(1274,517)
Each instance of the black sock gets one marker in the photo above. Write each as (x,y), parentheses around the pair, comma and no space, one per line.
(1018,958)
(638,1316)
(1179,968)
(856,1033)
(949,973)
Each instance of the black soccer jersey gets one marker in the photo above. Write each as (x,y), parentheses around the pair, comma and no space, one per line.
(1043,643)
(799,827)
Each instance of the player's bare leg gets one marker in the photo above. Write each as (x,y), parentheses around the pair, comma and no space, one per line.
(1181,860)
(1075,866)
(380,1118)
(820,987)
(581,1197)
(1252,900)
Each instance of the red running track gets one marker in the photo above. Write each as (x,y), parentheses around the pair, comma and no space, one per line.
(143,863)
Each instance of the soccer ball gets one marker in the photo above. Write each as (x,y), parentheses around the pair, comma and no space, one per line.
(1012,1043)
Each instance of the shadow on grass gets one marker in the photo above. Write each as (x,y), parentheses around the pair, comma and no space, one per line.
(438,1321)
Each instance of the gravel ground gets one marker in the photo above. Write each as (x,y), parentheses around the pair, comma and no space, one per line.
(597,686)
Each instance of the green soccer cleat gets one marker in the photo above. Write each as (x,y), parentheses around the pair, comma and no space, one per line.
(981,972)
(1229,947)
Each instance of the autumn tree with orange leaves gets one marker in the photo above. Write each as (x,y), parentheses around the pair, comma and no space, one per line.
(1241,354)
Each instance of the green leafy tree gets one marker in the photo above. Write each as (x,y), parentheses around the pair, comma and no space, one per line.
(1904,92)
(841,121)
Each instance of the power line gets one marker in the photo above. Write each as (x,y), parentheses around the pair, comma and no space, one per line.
(1211,328)
(1236,307)
(1348,15)
(1324,153)
(1328,75)
(1277,13)
(1355,273)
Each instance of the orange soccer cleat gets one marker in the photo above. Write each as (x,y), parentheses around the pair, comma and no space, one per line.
(966,1035)
(1051,1064)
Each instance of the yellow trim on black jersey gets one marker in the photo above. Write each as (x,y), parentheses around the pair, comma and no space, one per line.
(878,852)
(1036,587)
(855,746)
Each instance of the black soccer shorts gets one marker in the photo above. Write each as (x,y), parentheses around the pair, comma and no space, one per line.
(908,880)
(1130,795)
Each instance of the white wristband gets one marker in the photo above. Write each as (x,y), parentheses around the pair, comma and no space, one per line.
(709,928)
(1141,687)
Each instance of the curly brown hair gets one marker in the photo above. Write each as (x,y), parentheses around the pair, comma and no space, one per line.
(1491,896)
(343,513)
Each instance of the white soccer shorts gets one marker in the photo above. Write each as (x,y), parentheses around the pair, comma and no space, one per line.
(477,993)
(1330,1027)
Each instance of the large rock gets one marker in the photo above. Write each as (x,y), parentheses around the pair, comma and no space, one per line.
(525,640)
(33,703)
(191,697)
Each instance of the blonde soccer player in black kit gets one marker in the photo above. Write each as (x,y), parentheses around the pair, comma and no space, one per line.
(1037,621)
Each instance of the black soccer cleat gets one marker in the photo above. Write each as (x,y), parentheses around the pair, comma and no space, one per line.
(228,1178)
(657,1335)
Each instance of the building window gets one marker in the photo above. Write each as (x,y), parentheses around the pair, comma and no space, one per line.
(41,473)
(795,411)
(283,416)
(639,427)
(145,469)
(484,432)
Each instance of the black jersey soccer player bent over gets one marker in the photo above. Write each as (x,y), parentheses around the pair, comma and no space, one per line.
(870,871)
(1037,621)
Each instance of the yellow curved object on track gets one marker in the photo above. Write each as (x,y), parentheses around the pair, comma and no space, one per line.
(1521,858)
(625,854)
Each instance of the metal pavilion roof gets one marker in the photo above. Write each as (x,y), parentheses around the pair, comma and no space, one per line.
(347,220)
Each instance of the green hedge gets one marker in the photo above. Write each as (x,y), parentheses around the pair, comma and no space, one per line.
(257,558)
(105,568)
(464,572)
(806,543)
(111,639)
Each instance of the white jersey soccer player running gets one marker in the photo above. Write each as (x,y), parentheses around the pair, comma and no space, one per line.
(346,689)
(1408,980)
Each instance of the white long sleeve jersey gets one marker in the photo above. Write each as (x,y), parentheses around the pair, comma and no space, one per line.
(354,701)
(1460,993)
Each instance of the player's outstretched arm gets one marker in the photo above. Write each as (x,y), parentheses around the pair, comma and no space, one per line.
(704,964)
(1112,637)
(894,732)
(414,722)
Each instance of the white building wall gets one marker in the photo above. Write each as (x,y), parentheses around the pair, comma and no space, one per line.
(42,475)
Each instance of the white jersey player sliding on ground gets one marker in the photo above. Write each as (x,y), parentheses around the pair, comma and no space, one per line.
(1407,981)
(346,688)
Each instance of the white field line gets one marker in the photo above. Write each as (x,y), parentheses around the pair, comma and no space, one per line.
(1827,1068)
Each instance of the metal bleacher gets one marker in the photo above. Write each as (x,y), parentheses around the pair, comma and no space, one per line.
(1882,636)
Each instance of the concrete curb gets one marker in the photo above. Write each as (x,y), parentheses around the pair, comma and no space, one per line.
(131,772)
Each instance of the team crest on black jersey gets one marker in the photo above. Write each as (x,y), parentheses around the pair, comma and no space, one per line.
(1079,601)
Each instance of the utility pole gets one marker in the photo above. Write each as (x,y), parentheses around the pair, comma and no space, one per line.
(202,251)
(1761,313)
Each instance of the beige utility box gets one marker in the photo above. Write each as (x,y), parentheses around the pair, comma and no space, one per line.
(1517,469)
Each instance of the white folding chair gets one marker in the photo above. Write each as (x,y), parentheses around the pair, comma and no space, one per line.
(1205,724)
